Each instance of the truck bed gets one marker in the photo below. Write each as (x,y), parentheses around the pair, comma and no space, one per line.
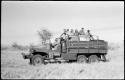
(94,46)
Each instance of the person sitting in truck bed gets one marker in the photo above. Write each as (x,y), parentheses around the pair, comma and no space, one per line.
(81,32)
(76,34)
(89,35)
(71,33)
(67,32)
(82,35)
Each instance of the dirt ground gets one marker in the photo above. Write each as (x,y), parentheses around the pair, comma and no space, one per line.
(13,66)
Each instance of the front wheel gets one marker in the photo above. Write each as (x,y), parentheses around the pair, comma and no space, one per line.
(37,60)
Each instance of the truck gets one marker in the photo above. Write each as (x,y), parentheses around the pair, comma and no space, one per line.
(80,51)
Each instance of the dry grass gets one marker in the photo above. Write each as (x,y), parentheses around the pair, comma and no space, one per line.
(13,66)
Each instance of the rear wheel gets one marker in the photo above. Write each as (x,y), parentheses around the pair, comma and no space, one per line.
(93,59)
(82,59)
(37,60)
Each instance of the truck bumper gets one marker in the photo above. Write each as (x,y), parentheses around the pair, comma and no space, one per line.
(26,56)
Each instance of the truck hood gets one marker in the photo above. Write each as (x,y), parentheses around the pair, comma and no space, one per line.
(39,49)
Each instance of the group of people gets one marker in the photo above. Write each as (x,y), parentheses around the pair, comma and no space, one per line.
(73,35)
(76,35)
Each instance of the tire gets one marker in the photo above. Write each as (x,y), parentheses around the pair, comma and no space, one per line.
(37,60)
(93,59)
(82,59)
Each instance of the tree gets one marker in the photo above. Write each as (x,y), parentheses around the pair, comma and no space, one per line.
(16,46)
(45,35)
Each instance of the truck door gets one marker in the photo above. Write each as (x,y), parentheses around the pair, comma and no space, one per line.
(70,50)
(63,47)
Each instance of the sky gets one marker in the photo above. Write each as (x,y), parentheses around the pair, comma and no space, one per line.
(21,20)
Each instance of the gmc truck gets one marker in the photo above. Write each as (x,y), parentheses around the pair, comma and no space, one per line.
(70,51)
